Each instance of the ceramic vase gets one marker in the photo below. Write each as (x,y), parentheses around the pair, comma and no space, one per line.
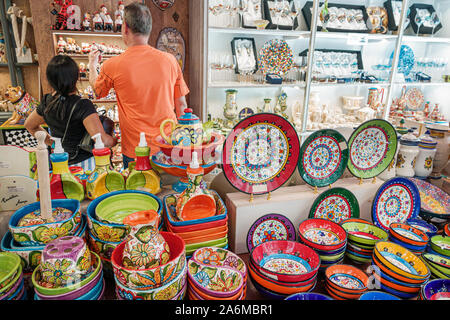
(145,247)
(424,161)
(267,107)
(442,151)
(374,100)
(406,159)
(230,109)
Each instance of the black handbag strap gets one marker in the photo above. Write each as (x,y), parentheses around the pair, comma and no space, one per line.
(70,118)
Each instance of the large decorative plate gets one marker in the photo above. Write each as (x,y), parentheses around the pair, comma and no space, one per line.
(261,153)
(372,148)
(270,227)
(434,202)
(414,99)
(336,204)
(171,40)
(405,59)
(324,158)
(397,200)
(276,57)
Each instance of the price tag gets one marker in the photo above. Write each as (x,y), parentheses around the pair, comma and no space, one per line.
(5,165)
(260,188)
(13,189)
(343,145)
(357,39)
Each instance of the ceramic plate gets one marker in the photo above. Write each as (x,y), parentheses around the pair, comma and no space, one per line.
(270,227)
(276,57)
(372,148)
(336,204)
(324,158)
(397,200)
(261,153)
(414,99)
(433,200)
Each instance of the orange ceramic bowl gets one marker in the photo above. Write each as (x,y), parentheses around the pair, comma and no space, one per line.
(198,207)
(346,278)
(339,295)
(278,288)
(396,286)
(408,234)
(392,273)
(212,236)
(195,227)
(199,233)
(447,229)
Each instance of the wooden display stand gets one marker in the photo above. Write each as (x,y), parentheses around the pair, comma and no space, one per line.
(293,202)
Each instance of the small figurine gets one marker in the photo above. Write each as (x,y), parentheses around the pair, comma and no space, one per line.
(98,22)
(89,92)
(118,23)
(103,12)
(62,14)
(85,48)
(3,51)
(83,71)
(120,9)
(87,22)
(61,45)
(71,46)
(108,23)
(23,104)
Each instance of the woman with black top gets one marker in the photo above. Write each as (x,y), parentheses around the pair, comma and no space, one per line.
(56,111)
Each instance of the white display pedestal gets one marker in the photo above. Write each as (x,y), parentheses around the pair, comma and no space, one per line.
(294,202)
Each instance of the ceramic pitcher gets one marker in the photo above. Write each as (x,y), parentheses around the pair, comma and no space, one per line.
(406,159)
(441,135)
(427,151)
(145,247)
(374,100)
(188,132)
(230,109)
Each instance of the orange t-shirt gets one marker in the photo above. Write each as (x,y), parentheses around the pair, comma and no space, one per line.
(146,81)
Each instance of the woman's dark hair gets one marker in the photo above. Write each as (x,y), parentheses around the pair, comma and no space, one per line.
(62,75)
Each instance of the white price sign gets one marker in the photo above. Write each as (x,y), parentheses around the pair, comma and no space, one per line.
(357,39)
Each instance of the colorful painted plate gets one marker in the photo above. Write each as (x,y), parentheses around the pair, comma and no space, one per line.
(276,57)
(397,200)
(336,204)
(434,201)
(372,148)
(324,158)
(270,227)
(414,99)
(261,153)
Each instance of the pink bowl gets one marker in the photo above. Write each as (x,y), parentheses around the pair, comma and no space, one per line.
(330,231)
(13,288)
(285,247)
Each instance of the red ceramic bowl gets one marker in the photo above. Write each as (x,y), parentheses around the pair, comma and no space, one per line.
(316,233)
(408,234)
(346,278)
(281,283)
(285,248)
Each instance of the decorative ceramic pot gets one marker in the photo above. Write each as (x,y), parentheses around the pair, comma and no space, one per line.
(424,161)
(390,172)
(441,135)
(188,132)
(406,159)
(267,106)
(145,247)
(230,109)
(374,100)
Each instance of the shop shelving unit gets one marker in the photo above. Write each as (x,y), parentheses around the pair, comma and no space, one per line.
(374,47)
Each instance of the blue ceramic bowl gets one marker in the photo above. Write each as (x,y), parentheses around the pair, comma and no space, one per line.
(428,228)
(399,294)
(407,245)
(95,292)
(308,296)
(38,235)
(396,281)
(170,210)
(378,295)
(434,286)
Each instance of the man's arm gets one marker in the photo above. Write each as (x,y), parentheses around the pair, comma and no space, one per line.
(93,64)
(180,105)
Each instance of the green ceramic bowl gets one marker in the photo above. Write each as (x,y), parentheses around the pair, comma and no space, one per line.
(35,277)
(13,280)
(357,259)
(364,233)
(441,245)
(220,243)
(115,208)
(435,272)
(333,257)
(9,265)
(439,262)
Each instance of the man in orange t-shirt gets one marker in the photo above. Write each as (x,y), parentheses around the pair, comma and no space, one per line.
(149,83)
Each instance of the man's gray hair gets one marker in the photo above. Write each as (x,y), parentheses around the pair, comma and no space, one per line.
(138,18)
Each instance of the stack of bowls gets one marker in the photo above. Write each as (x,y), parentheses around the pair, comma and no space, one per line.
(280,268)
(440,244)
(397,270)
(165,282)
(409,237)
(198,233)
(378,295)
(439,265)
(12,285)
(105,220)
(326,237)
(68,271)
(362,236)
(438,289)
(201,279)
(430,229)
(344,282)
(308,296)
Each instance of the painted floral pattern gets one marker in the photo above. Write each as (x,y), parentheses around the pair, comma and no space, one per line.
(322,157)
(107,234)
(395,204)
(142,254)
(58,273)
(285,266)
(347,281)
(321,236)
(52,234)
(335,208)
(269,230)
(428,163)
(369,148)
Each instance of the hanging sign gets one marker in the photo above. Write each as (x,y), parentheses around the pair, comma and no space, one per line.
(171,40)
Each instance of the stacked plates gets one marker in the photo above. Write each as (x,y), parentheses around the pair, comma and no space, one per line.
(397,270)
(345,282)
(409,237)
(216,274)
(438,289)
(326,237)
(198,233)
(439,265)
(280,268)
(362,236)
(165,282)
(424,226)
(11,277)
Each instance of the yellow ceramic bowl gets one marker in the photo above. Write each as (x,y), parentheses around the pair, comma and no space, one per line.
(401,260)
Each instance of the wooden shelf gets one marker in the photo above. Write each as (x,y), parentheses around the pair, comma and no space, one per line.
(86,56)
(86,33)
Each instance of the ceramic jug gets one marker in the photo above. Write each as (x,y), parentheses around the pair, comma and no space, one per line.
(230,109)
(441,135)
(427,151)
(374,100)
(145,247)
(188,132)
(196,201)
(406,159)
